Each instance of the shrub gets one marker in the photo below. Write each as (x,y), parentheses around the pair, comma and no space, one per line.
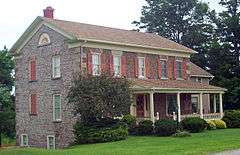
(232,118)
(145,127)
(211,125)
(220,124)
(129,120)
(182,134)
(165,127)
(96,132)
(194,124)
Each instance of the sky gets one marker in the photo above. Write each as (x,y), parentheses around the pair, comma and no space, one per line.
(17,15)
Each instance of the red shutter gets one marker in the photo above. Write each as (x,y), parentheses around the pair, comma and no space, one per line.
(169,68)
(147,68)
(123,65)
(175,69)
(184,65)
(33,104)
(136,66)
(102,61)
(159,69)
(111,64)
(89,62)
(33,70)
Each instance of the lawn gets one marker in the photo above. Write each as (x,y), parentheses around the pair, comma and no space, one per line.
(6,141)
(198,144)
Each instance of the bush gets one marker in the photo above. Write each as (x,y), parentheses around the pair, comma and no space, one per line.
(145,127)
(129,120)
(194,124)
(211,125)
(182,134)
(232,118)
(165,127)
(96,132)
(220,124)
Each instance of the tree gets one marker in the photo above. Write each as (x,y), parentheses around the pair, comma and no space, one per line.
(6,68)
(94,97)
(187,22)
(7,112)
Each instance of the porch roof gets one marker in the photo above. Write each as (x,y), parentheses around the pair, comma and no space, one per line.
(173,85)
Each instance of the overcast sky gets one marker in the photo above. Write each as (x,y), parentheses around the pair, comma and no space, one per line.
(17,15)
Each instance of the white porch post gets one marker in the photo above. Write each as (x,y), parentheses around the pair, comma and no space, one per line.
(152,107)
(133,106)
(221,104)
(201,104)
(179,107)
(214,103)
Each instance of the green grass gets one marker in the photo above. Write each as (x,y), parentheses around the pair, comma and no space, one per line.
(198,144)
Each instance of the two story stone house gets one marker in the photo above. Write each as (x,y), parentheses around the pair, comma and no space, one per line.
(164,81)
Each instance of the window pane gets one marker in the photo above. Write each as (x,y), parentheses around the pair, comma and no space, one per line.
(164,68)
(56,66)
(141,66)
(179,69)
(51,142)
(116,61)
(96,64)
(57,107)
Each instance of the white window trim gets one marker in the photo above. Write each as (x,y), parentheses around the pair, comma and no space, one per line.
(95,53)
(60,119)
(181,70)
(166,68)
(120,72)
(140,76)
(54,76)
(21,140)
(54,142)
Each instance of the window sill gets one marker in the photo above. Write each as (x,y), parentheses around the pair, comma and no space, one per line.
(32,81)
(142,77)
(32,114)
(180,79)
(164,78)
(56,78)
(57,121)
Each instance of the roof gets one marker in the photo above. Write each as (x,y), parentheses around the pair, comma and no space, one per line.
(198,71)
(94,32)
(143,84)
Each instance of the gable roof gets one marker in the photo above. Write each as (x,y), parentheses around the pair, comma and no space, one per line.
(198,71)
(81,31)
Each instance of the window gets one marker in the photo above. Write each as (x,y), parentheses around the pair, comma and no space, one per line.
(199,80)
(33,70)
(141,67)
(171,104)
(57,107)
(117,65)
(164,69)
(179,69)
(96,64)
(194,100)
(24,140)
(33,104)
(44,39)
(56,67)
(51,142)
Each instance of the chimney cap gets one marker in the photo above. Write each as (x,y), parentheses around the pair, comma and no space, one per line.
(48,12)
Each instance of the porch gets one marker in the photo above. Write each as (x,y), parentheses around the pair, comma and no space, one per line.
(154,103)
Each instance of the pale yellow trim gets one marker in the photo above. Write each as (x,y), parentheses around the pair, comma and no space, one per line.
(122,47)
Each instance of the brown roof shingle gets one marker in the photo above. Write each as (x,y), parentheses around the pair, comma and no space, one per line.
(173,85)
(88,31)
(198,71)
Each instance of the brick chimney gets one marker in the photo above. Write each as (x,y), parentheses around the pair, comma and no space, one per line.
(48,12)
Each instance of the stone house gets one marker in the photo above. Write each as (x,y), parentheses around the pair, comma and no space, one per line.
(164,81)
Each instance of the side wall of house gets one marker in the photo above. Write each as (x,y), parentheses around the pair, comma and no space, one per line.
(39,126)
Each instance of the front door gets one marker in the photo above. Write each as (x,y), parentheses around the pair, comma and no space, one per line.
(171,104)
(140,105)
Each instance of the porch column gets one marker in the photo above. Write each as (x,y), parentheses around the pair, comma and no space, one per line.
(152,107)
(221,104)
(133,106)
(179,107)
(214,103)
(201,104)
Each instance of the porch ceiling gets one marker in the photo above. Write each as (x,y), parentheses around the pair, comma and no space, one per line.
(173,86)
